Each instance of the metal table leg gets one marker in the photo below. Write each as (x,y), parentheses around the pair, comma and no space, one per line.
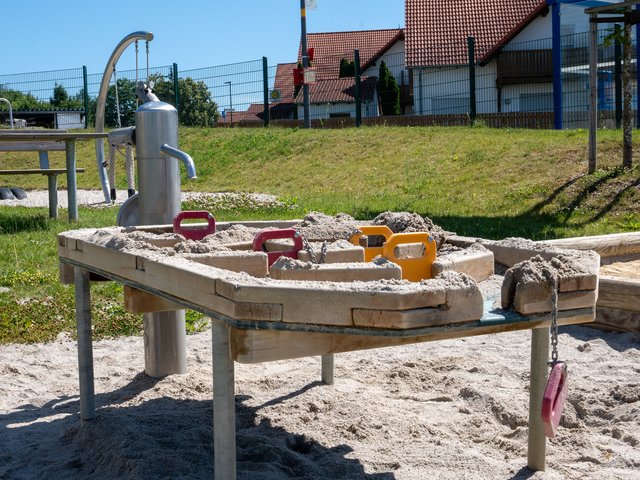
(327,369)
(539,373)
(72,184)
(85,347)
(224,407)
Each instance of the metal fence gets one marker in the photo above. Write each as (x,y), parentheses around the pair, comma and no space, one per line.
(513,88)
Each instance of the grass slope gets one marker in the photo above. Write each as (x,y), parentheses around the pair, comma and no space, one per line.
(475,181)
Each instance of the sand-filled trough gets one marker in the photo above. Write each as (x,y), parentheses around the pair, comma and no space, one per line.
(331,300)
(332,285)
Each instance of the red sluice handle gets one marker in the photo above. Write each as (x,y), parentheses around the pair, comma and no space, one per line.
(279,234)
(194,233)
(553,399)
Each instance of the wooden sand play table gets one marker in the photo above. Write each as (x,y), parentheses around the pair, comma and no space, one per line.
(256,319)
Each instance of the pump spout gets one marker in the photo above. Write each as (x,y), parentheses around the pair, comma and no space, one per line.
(180,155)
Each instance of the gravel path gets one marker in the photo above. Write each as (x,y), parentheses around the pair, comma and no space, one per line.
(40,198)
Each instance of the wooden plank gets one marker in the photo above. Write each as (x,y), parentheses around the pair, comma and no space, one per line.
(67,276)
(605,245)
(526,304)
(619,259)
(33,146)
(35,171)
(405,319)
(138,301)
(328,304)
(342,255)
(617,320)
(618,292)
(478,265)
(337,272)
(255,346)
(270,312)
(255,264)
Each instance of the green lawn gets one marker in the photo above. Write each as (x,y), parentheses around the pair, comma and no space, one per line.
(474,181)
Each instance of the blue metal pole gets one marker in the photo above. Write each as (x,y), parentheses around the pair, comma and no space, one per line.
(556,54)
(637,71)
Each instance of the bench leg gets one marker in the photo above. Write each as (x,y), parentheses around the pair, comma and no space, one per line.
(539,370)
(53,195)
(224,406)
(327,369)
(71,180)
(85,346)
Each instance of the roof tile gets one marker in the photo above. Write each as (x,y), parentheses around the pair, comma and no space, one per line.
(437,30)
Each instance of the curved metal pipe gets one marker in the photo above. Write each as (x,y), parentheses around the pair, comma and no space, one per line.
(10,111)
(180,155)
(102,99)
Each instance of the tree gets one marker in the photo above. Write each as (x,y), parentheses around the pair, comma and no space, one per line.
(22,101)
(62,101)
(388,91)
(347,68)
(127,104)
(624,37)
(196,107)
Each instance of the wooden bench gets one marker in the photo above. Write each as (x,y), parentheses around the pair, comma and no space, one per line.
(43,147)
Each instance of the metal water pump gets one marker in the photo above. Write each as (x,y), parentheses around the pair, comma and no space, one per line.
(157,203)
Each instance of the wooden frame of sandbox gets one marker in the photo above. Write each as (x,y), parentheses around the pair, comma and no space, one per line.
(254,322)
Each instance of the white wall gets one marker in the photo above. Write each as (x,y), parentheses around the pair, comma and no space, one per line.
(394,59)
(446,90)
(66,120)
(538,29)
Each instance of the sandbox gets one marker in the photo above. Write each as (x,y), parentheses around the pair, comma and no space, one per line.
(296,308)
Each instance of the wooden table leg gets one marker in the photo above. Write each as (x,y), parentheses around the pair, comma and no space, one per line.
(327,369)
(71,180)
(224,407)
(85,347)
(539,373)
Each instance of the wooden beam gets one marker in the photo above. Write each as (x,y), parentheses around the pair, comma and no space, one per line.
(255,346)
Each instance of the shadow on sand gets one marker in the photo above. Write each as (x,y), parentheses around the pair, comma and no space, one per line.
(161,438)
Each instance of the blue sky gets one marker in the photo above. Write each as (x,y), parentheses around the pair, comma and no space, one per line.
(41,36)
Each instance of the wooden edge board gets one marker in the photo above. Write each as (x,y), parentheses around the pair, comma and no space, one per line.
(617,320)
(566,301)
(255,346)
(619,292)
(610,245)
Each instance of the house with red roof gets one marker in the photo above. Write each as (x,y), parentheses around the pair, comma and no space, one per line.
(437,54)
(332,96)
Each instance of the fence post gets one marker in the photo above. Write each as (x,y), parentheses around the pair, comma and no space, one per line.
(556,54)
(85,83)
(472,78)
(265,88)
(356,64)
(176,90)
(617,74)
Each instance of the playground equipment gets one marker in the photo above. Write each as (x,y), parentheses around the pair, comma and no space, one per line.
(10,111)
(110,69)
(155,137)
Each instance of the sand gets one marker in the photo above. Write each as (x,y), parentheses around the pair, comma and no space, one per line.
(449,409)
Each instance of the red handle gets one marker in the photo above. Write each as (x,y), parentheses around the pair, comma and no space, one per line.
(555,394)
(283,233)
(192,233)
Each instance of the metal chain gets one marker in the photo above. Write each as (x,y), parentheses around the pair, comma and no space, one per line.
(115,79)
(147,44)
(323,251)
(554,318)
(137,100)
(307,247)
